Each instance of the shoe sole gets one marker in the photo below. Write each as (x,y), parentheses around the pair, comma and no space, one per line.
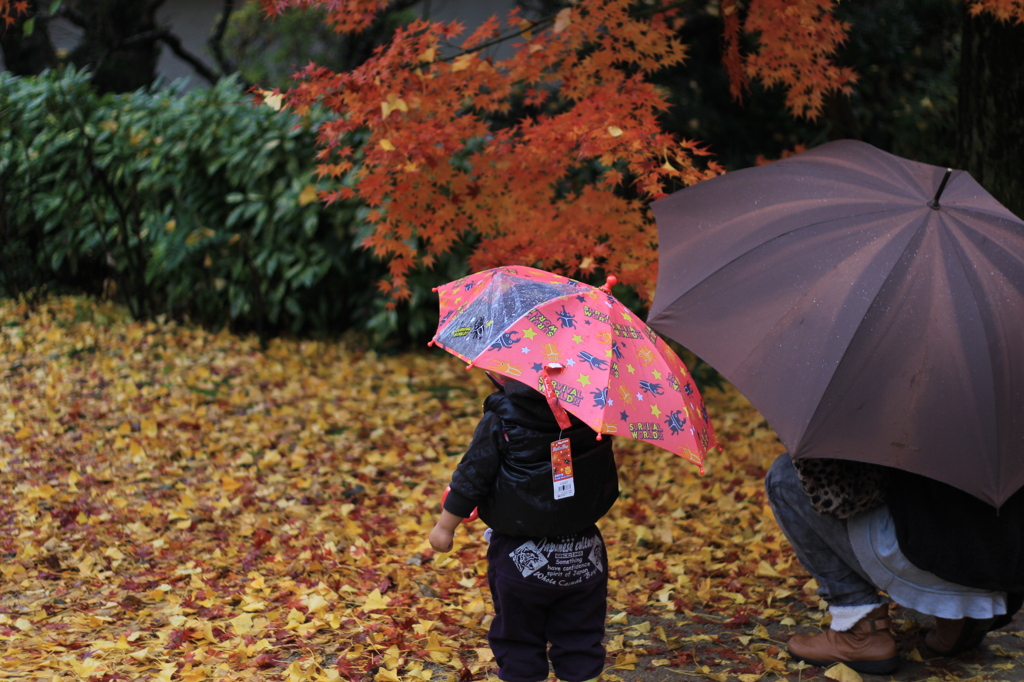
(882,667)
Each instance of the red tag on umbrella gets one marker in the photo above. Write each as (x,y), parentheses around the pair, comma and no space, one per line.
(561,416)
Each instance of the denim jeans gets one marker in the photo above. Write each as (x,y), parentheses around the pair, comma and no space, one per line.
(822,543)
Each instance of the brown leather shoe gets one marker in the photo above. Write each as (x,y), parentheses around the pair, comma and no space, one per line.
(953,637)
(867,647)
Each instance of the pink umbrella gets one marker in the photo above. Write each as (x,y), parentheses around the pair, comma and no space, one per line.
(581,347)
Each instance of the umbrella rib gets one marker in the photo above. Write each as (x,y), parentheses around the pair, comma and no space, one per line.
(754,347)
(978,296)
(779,236)
(799,228)
(874,299)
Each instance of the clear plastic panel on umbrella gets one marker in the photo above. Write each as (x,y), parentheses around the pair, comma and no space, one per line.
(504,300)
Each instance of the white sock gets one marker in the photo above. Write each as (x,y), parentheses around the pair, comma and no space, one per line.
(845,617)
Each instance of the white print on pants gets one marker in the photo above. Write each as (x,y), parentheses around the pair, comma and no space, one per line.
(561,564)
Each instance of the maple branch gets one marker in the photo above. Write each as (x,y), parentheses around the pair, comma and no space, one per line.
(649,11)
(547,21)
(172,41)
(215,43)
(540,23)
(72,15)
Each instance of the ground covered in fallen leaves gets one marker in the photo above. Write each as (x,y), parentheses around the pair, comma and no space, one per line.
(184,505)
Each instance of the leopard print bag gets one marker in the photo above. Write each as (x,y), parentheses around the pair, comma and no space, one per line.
(840,487)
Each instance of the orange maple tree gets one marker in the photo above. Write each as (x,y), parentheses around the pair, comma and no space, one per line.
(435,168)
(1003,10)
(10,9)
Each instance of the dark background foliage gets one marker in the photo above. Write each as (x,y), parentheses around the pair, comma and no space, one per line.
(191,204)
(197,204)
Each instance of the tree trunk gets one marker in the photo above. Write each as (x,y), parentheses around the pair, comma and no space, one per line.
(119,43)
(991,108)
(27,55)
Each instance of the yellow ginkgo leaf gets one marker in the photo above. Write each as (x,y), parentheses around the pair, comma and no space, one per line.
(843,673)
(307,195)
(375,600)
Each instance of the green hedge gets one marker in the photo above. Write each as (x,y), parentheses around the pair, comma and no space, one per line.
(194,204)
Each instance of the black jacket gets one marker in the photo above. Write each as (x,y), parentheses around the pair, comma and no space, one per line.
(506,472)
(958,537)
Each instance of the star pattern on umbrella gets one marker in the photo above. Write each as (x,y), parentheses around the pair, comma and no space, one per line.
(607,356)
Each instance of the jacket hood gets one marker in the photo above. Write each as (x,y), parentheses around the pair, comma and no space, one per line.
(533,402)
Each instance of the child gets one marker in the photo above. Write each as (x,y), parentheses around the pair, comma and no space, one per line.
(547,565)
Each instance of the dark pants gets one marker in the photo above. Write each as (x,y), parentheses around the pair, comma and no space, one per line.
(548,590)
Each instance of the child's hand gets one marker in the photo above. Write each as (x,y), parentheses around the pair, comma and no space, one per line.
(442,539)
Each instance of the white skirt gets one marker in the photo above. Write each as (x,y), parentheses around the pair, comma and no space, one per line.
(873,536)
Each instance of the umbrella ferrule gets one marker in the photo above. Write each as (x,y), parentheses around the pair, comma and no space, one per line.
(934,203)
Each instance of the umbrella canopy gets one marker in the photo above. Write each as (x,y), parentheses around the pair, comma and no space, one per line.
(594,357)
(865,312)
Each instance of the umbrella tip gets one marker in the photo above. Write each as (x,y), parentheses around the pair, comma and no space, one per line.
(430,344)
(609,283)
(934,203)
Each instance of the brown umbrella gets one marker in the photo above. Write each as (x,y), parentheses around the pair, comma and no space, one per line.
(870,307)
